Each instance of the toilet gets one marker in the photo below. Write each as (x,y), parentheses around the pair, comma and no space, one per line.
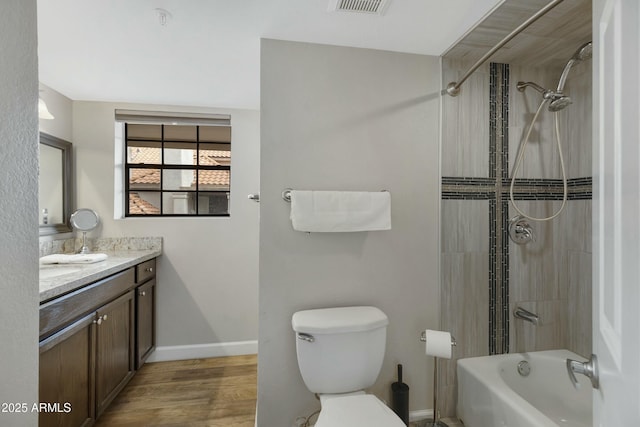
(340,352)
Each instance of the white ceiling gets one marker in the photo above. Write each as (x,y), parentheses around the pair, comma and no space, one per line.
(208,54)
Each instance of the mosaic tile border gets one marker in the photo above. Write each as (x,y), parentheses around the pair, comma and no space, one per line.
(473,188)
(499,127)
(504,266)
(493,279)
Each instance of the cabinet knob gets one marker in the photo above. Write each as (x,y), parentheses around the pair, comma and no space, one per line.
(101,319)
(142,293)
(150,269)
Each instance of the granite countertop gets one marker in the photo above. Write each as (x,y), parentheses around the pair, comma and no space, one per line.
(60,279)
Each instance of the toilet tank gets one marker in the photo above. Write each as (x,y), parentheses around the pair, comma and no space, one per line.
(340,350)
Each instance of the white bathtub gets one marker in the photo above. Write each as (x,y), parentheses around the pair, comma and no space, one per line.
(491,392)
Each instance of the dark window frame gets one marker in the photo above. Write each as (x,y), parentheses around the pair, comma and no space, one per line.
(194,194)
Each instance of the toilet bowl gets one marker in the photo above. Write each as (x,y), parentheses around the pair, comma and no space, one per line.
(340,353)
(357,410)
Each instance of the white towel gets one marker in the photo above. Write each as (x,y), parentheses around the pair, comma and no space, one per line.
(72,258)
(340,211)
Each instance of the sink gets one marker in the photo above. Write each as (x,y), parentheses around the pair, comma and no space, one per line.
(53,271)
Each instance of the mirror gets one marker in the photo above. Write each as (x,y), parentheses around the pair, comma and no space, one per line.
(55,185)
(84,220)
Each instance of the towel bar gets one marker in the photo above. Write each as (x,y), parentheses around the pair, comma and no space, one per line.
(286,194)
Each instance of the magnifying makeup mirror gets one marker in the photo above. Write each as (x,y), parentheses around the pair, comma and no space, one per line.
(84,220)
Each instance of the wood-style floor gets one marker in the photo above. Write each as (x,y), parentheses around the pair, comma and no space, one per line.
(188,393)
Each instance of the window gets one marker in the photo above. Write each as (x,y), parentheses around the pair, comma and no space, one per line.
(176,165)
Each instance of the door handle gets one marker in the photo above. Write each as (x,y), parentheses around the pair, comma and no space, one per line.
(589,369)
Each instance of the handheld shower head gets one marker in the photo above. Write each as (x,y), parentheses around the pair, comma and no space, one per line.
(558,100)
(583,53)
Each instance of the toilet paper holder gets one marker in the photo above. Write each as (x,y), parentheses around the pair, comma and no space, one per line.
(435,422)
(423,338)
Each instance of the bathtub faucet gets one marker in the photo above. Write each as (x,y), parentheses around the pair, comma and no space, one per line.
(523,314)
(588,369)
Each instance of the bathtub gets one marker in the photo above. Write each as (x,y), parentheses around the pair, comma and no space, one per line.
(492,393)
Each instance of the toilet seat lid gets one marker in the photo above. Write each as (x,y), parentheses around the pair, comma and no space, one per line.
(361,410)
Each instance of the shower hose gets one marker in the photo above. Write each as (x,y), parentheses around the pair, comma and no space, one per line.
(521,158)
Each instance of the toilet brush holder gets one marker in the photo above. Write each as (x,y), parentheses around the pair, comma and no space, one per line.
(400,396)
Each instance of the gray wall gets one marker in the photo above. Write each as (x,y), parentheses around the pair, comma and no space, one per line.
(208,274)
(18,209)
(337,118)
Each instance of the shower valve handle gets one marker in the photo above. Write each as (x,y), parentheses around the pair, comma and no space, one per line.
(526,232)
(588,369)
(520,231)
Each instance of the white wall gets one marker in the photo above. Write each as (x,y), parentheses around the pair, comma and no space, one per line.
(208,274)
(18,209)
(347,119)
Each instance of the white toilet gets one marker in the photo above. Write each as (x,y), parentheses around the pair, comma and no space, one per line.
(340,353)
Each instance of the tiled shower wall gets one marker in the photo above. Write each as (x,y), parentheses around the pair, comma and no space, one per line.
(484,274)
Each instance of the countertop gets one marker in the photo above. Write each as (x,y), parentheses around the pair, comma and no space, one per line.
(75,276)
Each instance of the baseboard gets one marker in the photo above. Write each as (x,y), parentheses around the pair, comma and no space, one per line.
(201,351)
(423,414)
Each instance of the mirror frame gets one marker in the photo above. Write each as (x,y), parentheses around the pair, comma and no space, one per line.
(67,184)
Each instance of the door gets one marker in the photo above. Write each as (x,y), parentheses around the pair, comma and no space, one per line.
(145,321)
(616,212)
(67,376)
(114,349)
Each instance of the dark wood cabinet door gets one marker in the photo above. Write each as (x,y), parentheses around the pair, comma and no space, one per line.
(114,349)
(67,376)
(145,321)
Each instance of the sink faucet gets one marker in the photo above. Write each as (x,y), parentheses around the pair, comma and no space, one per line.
(523,314)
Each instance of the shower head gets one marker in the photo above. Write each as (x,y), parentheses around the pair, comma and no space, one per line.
(583,53)
(557,101)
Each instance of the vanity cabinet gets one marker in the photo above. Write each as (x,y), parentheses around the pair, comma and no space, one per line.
(90,343)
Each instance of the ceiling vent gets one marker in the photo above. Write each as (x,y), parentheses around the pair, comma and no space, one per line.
(374,7)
